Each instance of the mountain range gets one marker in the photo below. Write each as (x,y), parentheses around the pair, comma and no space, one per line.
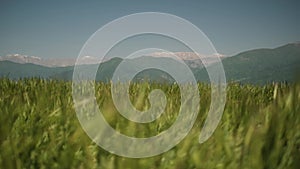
(259,66)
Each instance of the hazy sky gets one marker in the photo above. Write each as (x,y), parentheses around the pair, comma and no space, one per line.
(57,28)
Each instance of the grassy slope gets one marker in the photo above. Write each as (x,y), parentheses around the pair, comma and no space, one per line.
(39,129)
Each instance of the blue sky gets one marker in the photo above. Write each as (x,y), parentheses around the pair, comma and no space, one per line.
(60,28)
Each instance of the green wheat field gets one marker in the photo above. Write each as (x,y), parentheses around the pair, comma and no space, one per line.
(260,128)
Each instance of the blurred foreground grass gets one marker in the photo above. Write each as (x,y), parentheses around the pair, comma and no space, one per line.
(260,128)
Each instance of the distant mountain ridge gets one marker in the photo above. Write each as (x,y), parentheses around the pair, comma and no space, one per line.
(259,66)
(190,57)
(52,62)
(265,65)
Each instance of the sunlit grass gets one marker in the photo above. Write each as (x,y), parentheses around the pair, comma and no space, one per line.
(260,128)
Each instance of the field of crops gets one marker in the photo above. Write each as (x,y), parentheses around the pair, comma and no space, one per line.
(260,128)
